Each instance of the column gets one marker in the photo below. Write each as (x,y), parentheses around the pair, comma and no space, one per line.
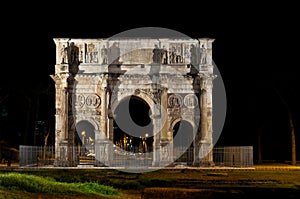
(209,136)
(70,125)
(103,113)
(156,141)
(166,144)
(58,117)
(196,143)
(203,113)
(61,144)
(101,148)
(206,146)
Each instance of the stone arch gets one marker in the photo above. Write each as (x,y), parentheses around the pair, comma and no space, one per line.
(147,99)
(173,122)
(90,120)
(176,120)
(190,127)
(142,96)
(88,127)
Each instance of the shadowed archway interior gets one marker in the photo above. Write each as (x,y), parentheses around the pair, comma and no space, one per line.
(85,142)
(183,141)
(85,134)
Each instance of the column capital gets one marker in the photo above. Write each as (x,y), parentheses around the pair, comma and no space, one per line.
(207,41)
(206,80)
(61,79)
(208,76)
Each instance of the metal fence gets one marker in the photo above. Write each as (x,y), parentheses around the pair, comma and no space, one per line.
(233,156)
(225,156)
(36,155)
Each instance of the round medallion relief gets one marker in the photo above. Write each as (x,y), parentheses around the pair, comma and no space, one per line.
(190,101)
(93,100)
(174,100)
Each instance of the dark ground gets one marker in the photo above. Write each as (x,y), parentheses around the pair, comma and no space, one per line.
(268,180)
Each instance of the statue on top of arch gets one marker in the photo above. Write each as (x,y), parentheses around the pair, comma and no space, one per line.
(70,56)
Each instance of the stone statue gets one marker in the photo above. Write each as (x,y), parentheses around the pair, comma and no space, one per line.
(194,55)
(203,53)
(114,54)
(157,54)
(73,54)
(173,55)
(164,55)
(73,57)
(104,55)
(64,53)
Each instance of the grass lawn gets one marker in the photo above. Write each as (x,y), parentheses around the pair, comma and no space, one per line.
(132,185)
(18,183)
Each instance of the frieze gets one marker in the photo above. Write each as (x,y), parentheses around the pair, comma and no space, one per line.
(155,95)
(87,112)
(175,53)
(91,53)
(129,51)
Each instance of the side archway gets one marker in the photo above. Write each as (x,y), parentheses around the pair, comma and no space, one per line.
(183,139)
(85,141)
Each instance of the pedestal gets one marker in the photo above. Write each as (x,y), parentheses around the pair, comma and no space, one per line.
(206,155)
(65,155)
(103,153)
(166,153)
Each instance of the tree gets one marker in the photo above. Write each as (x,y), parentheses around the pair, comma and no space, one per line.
(292,127)
(282,87)
(45,143)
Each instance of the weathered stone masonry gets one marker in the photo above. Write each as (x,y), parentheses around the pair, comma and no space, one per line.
(92,76)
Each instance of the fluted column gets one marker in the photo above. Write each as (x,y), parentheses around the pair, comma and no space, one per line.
(103,111)
(206,145)
(62,129)
(156,142)
(166,144)
(102,144)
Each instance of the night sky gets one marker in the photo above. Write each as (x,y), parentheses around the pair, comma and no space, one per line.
(253,50)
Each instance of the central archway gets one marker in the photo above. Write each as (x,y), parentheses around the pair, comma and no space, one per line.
(133,128)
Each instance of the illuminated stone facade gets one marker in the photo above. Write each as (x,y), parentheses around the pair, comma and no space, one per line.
(174,77)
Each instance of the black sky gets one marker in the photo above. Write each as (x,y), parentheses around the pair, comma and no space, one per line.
(253,50)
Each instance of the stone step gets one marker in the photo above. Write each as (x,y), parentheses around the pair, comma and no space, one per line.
(85,165)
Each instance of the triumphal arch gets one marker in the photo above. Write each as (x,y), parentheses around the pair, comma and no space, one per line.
(148,100)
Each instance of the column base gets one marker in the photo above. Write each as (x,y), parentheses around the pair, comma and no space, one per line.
(196,164)
(99,164)
(204,163)
(63,163)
